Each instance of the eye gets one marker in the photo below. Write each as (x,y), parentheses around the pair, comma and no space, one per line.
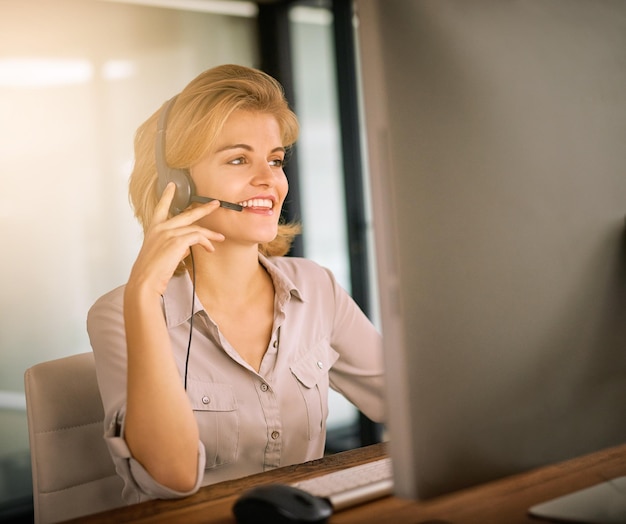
(237,161)
(277,162)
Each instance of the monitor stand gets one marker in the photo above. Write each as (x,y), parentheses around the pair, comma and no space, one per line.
(604,503)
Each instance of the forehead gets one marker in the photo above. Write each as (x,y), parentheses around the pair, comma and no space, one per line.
(254,125)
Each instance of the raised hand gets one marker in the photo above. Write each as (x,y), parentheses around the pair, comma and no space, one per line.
(167,241)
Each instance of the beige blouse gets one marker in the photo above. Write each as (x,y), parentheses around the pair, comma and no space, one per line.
(249,422)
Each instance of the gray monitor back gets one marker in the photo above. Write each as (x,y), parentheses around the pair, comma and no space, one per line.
(497,153)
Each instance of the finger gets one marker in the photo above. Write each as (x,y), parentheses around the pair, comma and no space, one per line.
(184,240)
(207,241)
(207,245)
(198,211)
(161,211)
(192,214)
(193,234)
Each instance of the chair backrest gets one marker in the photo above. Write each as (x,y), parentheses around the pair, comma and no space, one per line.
(73,474)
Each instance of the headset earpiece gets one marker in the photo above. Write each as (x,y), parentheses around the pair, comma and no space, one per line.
(185,189)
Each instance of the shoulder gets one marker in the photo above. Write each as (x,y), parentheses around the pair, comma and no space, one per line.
(295,264)
(109,304)
(105,325)
(301,270)
(307,280)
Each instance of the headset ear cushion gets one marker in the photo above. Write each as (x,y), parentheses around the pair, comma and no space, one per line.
(184,190)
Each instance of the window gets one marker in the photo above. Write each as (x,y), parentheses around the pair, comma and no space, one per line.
(321,174)
(71,98)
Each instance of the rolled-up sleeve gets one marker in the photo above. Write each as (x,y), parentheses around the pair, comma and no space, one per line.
(138,483)
(105,326)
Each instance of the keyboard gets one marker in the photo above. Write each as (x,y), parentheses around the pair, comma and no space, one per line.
(354,485)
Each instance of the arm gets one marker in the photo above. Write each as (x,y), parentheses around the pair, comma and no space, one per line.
(358,374)
(161,431)
(160,428)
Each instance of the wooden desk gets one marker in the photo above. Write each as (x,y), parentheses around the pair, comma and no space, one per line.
(504,501)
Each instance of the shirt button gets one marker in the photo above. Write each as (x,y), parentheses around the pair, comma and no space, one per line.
(275,344)
(264,387)
(275,434)
(320,364)
(206,400)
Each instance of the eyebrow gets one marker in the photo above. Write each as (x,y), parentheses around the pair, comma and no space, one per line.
(247,148)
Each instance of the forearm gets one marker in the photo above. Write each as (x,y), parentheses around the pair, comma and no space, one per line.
(161,430)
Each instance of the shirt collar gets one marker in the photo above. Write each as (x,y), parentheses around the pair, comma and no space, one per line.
(178,295)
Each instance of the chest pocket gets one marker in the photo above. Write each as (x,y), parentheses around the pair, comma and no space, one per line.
(311,371)
(215,408)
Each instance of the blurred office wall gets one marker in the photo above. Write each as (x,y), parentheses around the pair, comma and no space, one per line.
(76,79)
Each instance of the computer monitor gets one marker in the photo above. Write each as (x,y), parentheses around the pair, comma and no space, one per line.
(496,141)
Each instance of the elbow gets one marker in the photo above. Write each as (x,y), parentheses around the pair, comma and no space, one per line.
(376,410)
(175,471)
(176,477)
(378,415)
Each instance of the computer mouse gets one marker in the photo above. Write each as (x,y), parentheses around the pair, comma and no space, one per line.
(281,504)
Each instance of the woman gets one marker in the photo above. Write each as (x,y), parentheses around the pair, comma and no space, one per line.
(240,386)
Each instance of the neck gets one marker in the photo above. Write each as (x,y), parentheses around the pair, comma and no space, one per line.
(228,274)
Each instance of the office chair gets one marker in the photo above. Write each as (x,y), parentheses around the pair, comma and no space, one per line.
(73,474)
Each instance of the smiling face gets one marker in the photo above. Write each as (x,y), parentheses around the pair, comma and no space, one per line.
(245,166)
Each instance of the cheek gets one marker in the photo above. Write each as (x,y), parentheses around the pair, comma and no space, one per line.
(283,186)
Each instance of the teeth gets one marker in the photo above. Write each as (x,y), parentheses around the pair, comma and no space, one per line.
(257,202)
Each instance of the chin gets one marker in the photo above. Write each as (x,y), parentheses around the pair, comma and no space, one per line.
(267,239)
(266,236)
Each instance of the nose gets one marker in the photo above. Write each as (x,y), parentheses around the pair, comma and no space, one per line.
(264,175)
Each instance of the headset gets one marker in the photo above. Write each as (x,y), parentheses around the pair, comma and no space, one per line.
(185,188)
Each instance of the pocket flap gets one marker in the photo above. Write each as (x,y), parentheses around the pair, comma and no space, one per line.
(209,396)
(314,364)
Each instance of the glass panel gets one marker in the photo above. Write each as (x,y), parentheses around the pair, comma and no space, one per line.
(76,79)
(319,157)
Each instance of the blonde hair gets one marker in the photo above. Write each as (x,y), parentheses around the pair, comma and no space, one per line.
(196,119)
